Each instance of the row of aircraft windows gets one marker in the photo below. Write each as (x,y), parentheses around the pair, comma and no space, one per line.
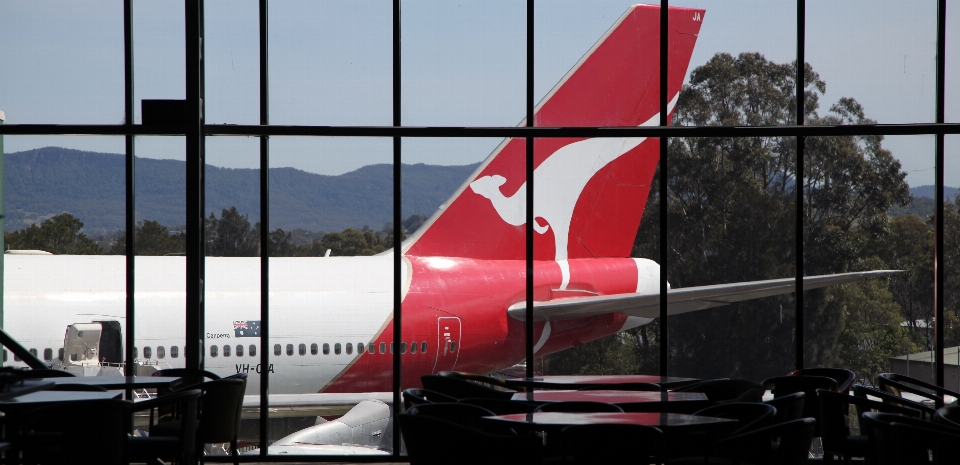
(252,350)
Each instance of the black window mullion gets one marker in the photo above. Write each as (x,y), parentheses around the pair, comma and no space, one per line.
(664,76)
(798,222)
(938,262)
(130,194)
(264,234)
(528,230)
(397,231)
(193,129)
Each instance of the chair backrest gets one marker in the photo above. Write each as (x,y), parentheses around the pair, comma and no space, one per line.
(784,385)
(789,407)
(220,407)
(501,407)
(435,441)
(461,388)
(844,378)
(948,415)
(757,446)
(462,414)
(578,406)
(862,391)
(623,387)
(749,415)
(887,448)
(414,396)
(897,384)
(727,390)
(475,378)
(612,444)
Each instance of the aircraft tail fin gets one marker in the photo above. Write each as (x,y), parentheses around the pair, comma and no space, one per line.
(589,193)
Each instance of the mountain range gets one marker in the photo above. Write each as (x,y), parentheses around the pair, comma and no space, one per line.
(44,182)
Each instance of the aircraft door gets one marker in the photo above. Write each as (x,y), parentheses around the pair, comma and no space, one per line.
(111,343)
(448,343)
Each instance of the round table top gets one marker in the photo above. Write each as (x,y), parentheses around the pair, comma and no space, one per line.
(610,396)
(591,380)
(121,382)
(554,420)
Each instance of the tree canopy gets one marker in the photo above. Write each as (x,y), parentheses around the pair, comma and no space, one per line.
(59,235)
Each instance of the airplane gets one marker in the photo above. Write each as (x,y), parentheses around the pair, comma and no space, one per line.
(463,271)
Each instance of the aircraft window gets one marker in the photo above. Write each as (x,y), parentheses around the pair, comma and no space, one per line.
(48,354)
(174,351)
(326,349)
(314,349)
(391,348)
(214,351)
(147,352)
(33,352)
(239,350)
(17,359)
(252,350)
(360,348)
(303,349)
(413,347)
(161,352)
(423,347)
(136,354)
(59,355)
(403,347)
(349,348)
(289,349)
(226,351)
(276,349)
(453,346)
(383,347)
(5,355)
(336,349)
(372,348)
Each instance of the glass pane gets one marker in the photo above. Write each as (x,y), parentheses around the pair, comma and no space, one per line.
(881,53)
(328,288)
(331,62)
(952,70)
(463,63)
(159,51)
(876,218)
(62,62)
(64,211)
(232,61)
(951,255)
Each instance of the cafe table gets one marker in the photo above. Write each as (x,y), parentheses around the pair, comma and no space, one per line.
(691,400)
(582,381)
(557,421)
(23,387)
(121,382)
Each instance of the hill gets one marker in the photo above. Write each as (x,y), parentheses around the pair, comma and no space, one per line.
(922,203)
(47,181)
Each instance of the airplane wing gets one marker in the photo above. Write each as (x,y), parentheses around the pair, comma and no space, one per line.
(682,300)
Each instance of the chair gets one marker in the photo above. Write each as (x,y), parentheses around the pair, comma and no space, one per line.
(434,441)
(578,407)
(949,415)
(834,427)
(611,444)
(461,389)
(789,407)
(749,416)
(219,418)
(623,387)
(942,446)
(844,378)
(887,398)
(897,384)
(476,378)
(727,390)
(415,396)
(787,443)
(464,414)
(889,449)
(808,385)
(501,407)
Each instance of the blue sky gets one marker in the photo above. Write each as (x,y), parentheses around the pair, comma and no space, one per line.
(463,64)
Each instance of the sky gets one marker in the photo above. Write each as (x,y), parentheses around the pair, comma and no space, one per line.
(61,61)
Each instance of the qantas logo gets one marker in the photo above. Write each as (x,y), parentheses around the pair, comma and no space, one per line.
(558,182)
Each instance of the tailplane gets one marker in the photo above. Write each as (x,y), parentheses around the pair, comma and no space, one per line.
(589,193)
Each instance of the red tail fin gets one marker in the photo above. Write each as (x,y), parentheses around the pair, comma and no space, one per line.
(589,193)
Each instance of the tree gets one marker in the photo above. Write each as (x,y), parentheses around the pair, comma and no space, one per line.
(231,235)
(351,242)
(60,235)
(152,238)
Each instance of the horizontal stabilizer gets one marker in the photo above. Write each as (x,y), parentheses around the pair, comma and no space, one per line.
(683,300)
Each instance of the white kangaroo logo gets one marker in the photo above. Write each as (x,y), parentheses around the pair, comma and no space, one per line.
(558,183)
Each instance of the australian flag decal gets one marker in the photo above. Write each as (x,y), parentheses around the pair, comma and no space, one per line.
(246,328)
